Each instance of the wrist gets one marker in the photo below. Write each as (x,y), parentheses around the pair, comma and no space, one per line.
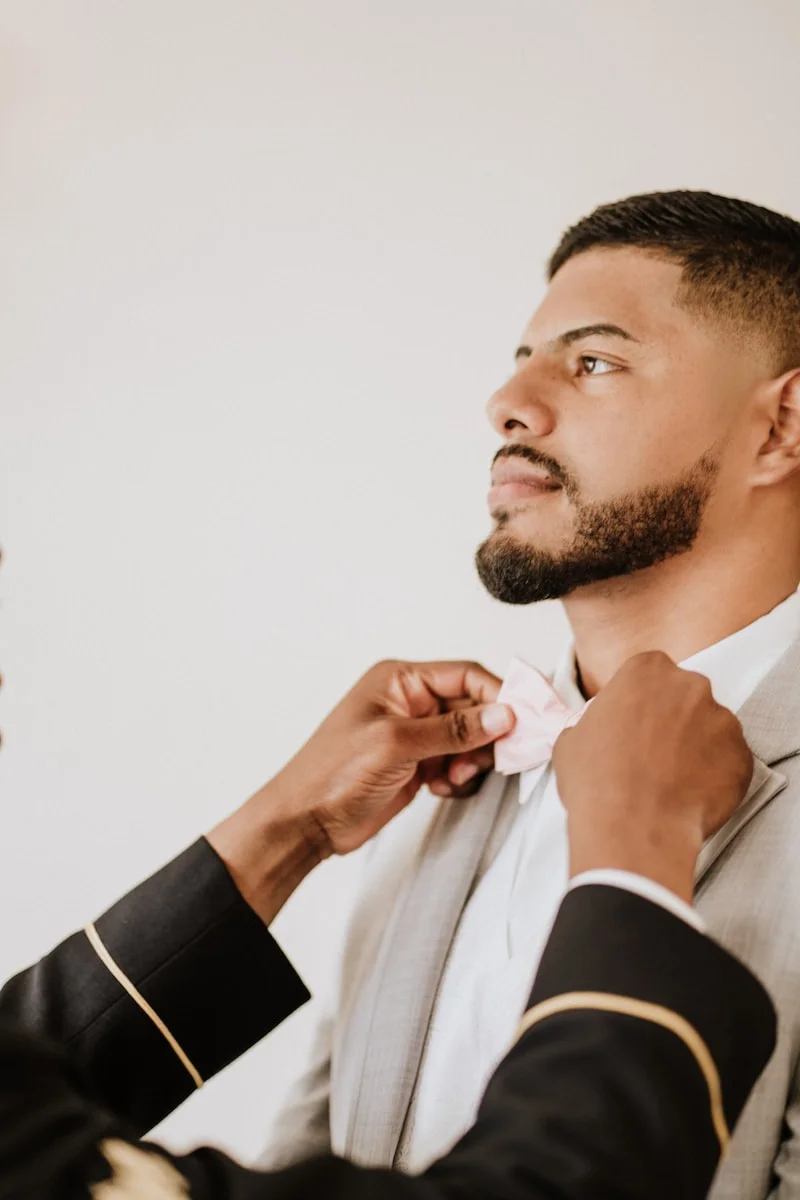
(666,856)
(269,846)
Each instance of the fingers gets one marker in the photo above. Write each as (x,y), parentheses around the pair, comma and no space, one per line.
(455,680)
(460,775)
(454,732)
(462,768)
(447,791)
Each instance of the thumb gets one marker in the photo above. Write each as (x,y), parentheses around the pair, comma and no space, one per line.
(455,732)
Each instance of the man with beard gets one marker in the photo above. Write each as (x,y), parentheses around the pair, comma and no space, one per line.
(649,477)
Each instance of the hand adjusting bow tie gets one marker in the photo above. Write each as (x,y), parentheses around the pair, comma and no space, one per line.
(541,717)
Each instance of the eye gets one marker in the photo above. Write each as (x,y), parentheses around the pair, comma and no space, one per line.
(592,365)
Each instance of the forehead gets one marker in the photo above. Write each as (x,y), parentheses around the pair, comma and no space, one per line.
(624,287)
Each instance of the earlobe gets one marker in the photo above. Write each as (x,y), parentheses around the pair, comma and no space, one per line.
(779,456)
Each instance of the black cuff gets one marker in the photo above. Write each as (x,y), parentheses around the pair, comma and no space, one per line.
(207,965)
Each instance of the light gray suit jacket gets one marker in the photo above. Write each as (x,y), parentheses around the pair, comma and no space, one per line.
(357,1094)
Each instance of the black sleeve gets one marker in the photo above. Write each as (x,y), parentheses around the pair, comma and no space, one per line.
(648,1038)
(634,1061)
(197,955)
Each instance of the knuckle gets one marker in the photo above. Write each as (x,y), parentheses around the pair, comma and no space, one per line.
(698,684)
(648,661)
(744,749)
(561,748)
(386,665)
(379,673)
(459,726)
(657,658)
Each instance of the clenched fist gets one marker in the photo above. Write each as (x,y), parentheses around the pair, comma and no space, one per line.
(653,768)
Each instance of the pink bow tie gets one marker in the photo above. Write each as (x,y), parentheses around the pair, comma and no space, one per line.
(541,717)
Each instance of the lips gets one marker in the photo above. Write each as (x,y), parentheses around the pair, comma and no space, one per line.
(516,481)
(508,471)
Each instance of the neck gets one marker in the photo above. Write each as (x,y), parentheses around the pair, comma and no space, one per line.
(679,607)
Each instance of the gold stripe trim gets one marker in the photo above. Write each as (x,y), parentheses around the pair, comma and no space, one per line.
(138,998)
(645,1011)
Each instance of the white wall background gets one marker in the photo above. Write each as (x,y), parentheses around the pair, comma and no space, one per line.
(261,264)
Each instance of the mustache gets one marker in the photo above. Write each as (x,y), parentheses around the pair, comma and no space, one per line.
(539,459)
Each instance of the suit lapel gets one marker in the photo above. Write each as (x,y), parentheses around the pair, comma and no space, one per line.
(771,723)
(764,786)
(392,1011)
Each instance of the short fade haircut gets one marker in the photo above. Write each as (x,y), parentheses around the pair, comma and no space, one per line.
(741,262)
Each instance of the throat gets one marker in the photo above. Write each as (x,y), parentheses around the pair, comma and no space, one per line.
(680,621)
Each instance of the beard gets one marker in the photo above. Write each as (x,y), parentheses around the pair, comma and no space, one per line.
(612,538)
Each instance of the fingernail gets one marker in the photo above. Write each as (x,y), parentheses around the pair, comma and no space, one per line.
(497,719)
(461,773)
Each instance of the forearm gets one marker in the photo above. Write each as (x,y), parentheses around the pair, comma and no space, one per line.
(268,846)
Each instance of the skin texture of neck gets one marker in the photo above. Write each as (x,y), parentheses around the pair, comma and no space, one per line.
(682,605)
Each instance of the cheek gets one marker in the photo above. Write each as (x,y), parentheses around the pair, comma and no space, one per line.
(609,458)
(613,456)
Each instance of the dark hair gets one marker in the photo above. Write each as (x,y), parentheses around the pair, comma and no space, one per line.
(741,262)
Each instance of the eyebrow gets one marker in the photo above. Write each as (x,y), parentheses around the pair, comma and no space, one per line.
(577,335)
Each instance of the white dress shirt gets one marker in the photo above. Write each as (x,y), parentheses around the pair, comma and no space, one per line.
(520,882)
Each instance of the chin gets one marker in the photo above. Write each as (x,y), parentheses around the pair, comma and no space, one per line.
(526,530)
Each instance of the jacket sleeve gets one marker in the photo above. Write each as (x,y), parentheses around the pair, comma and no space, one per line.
(166,988)
(641,1044)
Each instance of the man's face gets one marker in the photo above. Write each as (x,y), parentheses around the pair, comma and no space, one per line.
(621,422)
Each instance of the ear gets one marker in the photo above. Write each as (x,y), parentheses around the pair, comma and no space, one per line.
(779,455)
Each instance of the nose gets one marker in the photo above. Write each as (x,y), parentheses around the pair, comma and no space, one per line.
(519,406)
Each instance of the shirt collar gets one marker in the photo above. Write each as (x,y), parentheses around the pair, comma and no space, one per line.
(734,667)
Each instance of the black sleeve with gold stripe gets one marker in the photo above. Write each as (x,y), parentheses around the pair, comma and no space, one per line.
(166,988)
(597,1100)
(644,1038)
(663,971)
